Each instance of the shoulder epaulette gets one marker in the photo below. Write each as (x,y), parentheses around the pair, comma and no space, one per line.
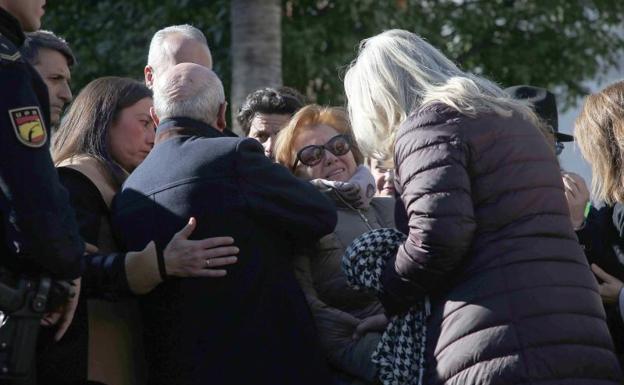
(8,50)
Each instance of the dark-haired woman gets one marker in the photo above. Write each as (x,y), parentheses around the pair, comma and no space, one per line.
(106,134)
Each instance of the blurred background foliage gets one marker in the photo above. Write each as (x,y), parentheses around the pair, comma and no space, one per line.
(558,44)
(111,37)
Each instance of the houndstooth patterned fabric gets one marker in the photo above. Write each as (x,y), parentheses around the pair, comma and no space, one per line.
(400,355)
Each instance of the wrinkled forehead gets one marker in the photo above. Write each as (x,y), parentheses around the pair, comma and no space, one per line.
(269,122)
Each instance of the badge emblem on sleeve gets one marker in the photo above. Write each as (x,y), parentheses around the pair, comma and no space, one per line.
(28,126)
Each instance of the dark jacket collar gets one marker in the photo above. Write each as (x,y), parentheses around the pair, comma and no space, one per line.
(186,126)
(11,28)
(229,133)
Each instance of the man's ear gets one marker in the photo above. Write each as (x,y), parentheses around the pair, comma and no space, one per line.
(221,121)
(149,76)
(154,116)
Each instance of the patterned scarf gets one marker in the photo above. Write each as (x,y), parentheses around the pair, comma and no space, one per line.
(400,355)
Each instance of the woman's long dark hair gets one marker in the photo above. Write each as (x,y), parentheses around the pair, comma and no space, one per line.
(84,129)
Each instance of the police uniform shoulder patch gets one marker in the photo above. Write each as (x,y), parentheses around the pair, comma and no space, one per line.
(8,51)
(28,125)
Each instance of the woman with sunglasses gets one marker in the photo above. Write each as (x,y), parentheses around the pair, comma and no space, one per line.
(317,145)
(490,242)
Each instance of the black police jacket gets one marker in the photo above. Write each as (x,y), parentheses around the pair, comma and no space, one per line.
(39,231)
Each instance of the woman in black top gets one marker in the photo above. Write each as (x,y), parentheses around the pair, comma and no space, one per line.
(106,133)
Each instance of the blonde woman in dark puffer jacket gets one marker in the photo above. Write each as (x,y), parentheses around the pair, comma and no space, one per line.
(490,240)
(317,144)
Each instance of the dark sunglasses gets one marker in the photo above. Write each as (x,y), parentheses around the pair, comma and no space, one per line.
(313,154)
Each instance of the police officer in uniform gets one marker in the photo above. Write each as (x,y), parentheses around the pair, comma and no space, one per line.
(38,231)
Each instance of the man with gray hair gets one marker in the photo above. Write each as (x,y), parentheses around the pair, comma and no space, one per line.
(252,326)
(53,59)
(173,45)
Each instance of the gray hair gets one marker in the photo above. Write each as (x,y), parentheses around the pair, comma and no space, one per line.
(48,40)
(158,54)
(201,102)
(397,72)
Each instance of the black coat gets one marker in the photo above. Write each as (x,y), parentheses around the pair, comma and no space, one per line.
(602,238)
(65,362)
(38,231)
(252,326)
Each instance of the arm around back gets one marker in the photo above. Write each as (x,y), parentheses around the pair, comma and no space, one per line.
(293,205)
(432,167)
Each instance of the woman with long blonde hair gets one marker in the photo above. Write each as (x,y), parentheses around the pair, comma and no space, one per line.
(599,131)
(490,240)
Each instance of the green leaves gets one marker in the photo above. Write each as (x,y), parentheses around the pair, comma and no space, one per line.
(111,37)
(556,44)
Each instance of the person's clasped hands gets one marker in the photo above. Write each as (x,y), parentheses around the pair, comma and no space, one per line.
(357,192)
(609,286)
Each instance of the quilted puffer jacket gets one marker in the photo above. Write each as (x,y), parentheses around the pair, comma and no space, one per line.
(490,242)
(337,308)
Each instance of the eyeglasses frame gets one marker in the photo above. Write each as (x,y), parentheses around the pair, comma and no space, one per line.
(324,147)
